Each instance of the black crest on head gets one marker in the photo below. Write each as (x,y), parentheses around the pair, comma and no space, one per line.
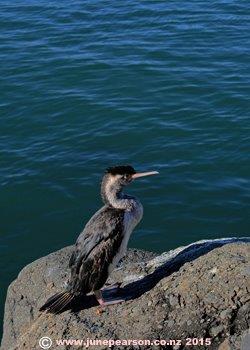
(121,170)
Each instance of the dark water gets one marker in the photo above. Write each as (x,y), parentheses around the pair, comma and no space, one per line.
(159,85)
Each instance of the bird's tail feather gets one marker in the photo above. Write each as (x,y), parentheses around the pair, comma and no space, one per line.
(57,302)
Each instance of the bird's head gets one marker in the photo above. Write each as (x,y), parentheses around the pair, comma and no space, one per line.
(125,174)
(117,177)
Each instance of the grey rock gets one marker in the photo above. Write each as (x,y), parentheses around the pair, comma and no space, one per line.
(173,300)
(225,314)
(225,345)
(214,331)
(163,295)
(170,323)
(245,343)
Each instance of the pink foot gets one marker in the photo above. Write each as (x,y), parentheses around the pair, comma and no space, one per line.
(104,303)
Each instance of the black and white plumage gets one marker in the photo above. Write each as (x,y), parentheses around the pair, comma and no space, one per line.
(103,241)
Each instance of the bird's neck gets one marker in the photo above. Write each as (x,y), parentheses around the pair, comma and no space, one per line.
(115,198)
(121,201)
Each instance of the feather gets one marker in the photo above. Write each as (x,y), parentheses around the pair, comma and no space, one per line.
(57,302)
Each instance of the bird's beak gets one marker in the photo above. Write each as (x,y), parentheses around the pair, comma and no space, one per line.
(147,173)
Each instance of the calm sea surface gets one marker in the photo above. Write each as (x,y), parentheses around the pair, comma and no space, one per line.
(158,85)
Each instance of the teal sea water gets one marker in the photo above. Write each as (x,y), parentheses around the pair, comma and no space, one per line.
(158,85)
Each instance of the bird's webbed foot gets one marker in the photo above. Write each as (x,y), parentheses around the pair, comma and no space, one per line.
(102,302)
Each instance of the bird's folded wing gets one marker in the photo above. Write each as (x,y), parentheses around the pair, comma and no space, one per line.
(95,250)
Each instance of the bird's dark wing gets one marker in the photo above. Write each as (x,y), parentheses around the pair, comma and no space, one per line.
(95,249)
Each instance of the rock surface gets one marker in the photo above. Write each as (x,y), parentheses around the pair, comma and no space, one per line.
(199,291)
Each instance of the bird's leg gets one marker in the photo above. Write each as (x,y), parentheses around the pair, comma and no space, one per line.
(103,303)
(99,298)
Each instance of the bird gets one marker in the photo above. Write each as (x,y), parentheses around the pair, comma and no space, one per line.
(103,241)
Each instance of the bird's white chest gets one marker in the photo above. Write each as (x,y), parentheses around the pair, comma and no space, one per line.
(131,219)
